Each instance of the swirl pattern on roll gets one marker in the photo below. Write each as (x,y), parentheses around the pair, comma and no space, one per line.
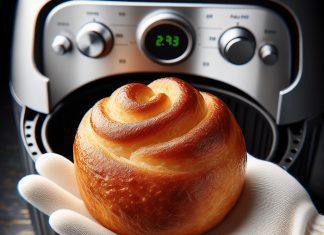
(165,139)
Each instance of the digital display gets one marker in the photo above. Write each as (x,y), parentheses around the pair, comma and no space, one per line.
(166,41)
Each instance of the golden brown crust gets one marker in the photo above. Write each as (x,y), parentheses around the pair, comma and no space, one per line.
(159,159)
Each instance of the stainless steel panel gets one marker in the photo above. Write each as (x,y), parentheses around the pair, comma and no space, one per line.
(209,21)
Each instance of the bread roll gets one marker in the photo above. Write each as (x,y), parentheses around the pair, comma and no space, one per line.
(159,159)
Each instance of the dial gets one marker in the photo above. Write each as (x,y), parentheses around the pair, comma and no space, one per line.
(61,44)
(94,40)
(268,54)
(237,45)
(166,38)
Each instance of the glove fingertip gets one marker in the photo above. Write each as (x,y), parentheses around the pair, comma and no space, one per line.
(24,185)
(68,222)
(48,159)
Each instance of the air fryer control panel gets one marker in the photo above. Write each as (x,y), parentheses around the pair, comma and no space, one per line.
(245,46)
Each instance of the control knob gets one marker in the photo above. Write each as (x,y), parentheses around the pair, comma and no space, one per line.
(237,45)
(269,54)
(61,44)
(94,40)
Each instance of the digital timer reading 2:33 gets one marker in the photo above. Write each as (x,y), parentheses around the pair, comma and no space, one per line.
(167,40)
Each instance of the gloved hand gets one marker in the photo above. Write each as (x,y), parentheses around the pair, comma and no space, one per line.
(272,201)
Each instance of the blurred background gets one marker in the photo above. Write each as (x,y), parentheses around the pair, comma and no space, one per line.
(14,217)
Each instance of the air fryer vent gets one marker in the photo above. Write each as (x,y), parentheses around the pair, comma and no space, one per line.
(29,131)
(296,137)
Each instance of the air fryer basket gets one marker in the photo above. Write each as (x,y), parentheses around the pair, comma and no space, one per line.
(59,127)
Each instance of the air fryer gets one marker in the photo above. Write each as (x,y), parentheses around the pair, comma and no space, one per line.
(248,53)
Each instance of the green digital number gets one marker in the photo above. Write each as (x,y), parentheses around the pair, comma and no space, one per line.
(168,39)
(159,40)
(175,41)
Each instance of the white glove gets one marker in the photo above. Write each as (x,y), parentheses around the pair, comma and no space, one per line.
(272,201)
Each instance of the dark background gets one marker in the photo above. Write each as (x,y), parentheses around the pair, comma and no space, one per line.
(14,217)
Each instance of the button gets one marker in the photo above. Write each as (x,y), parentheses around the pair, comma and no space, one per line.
(61,44)
(268,54)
